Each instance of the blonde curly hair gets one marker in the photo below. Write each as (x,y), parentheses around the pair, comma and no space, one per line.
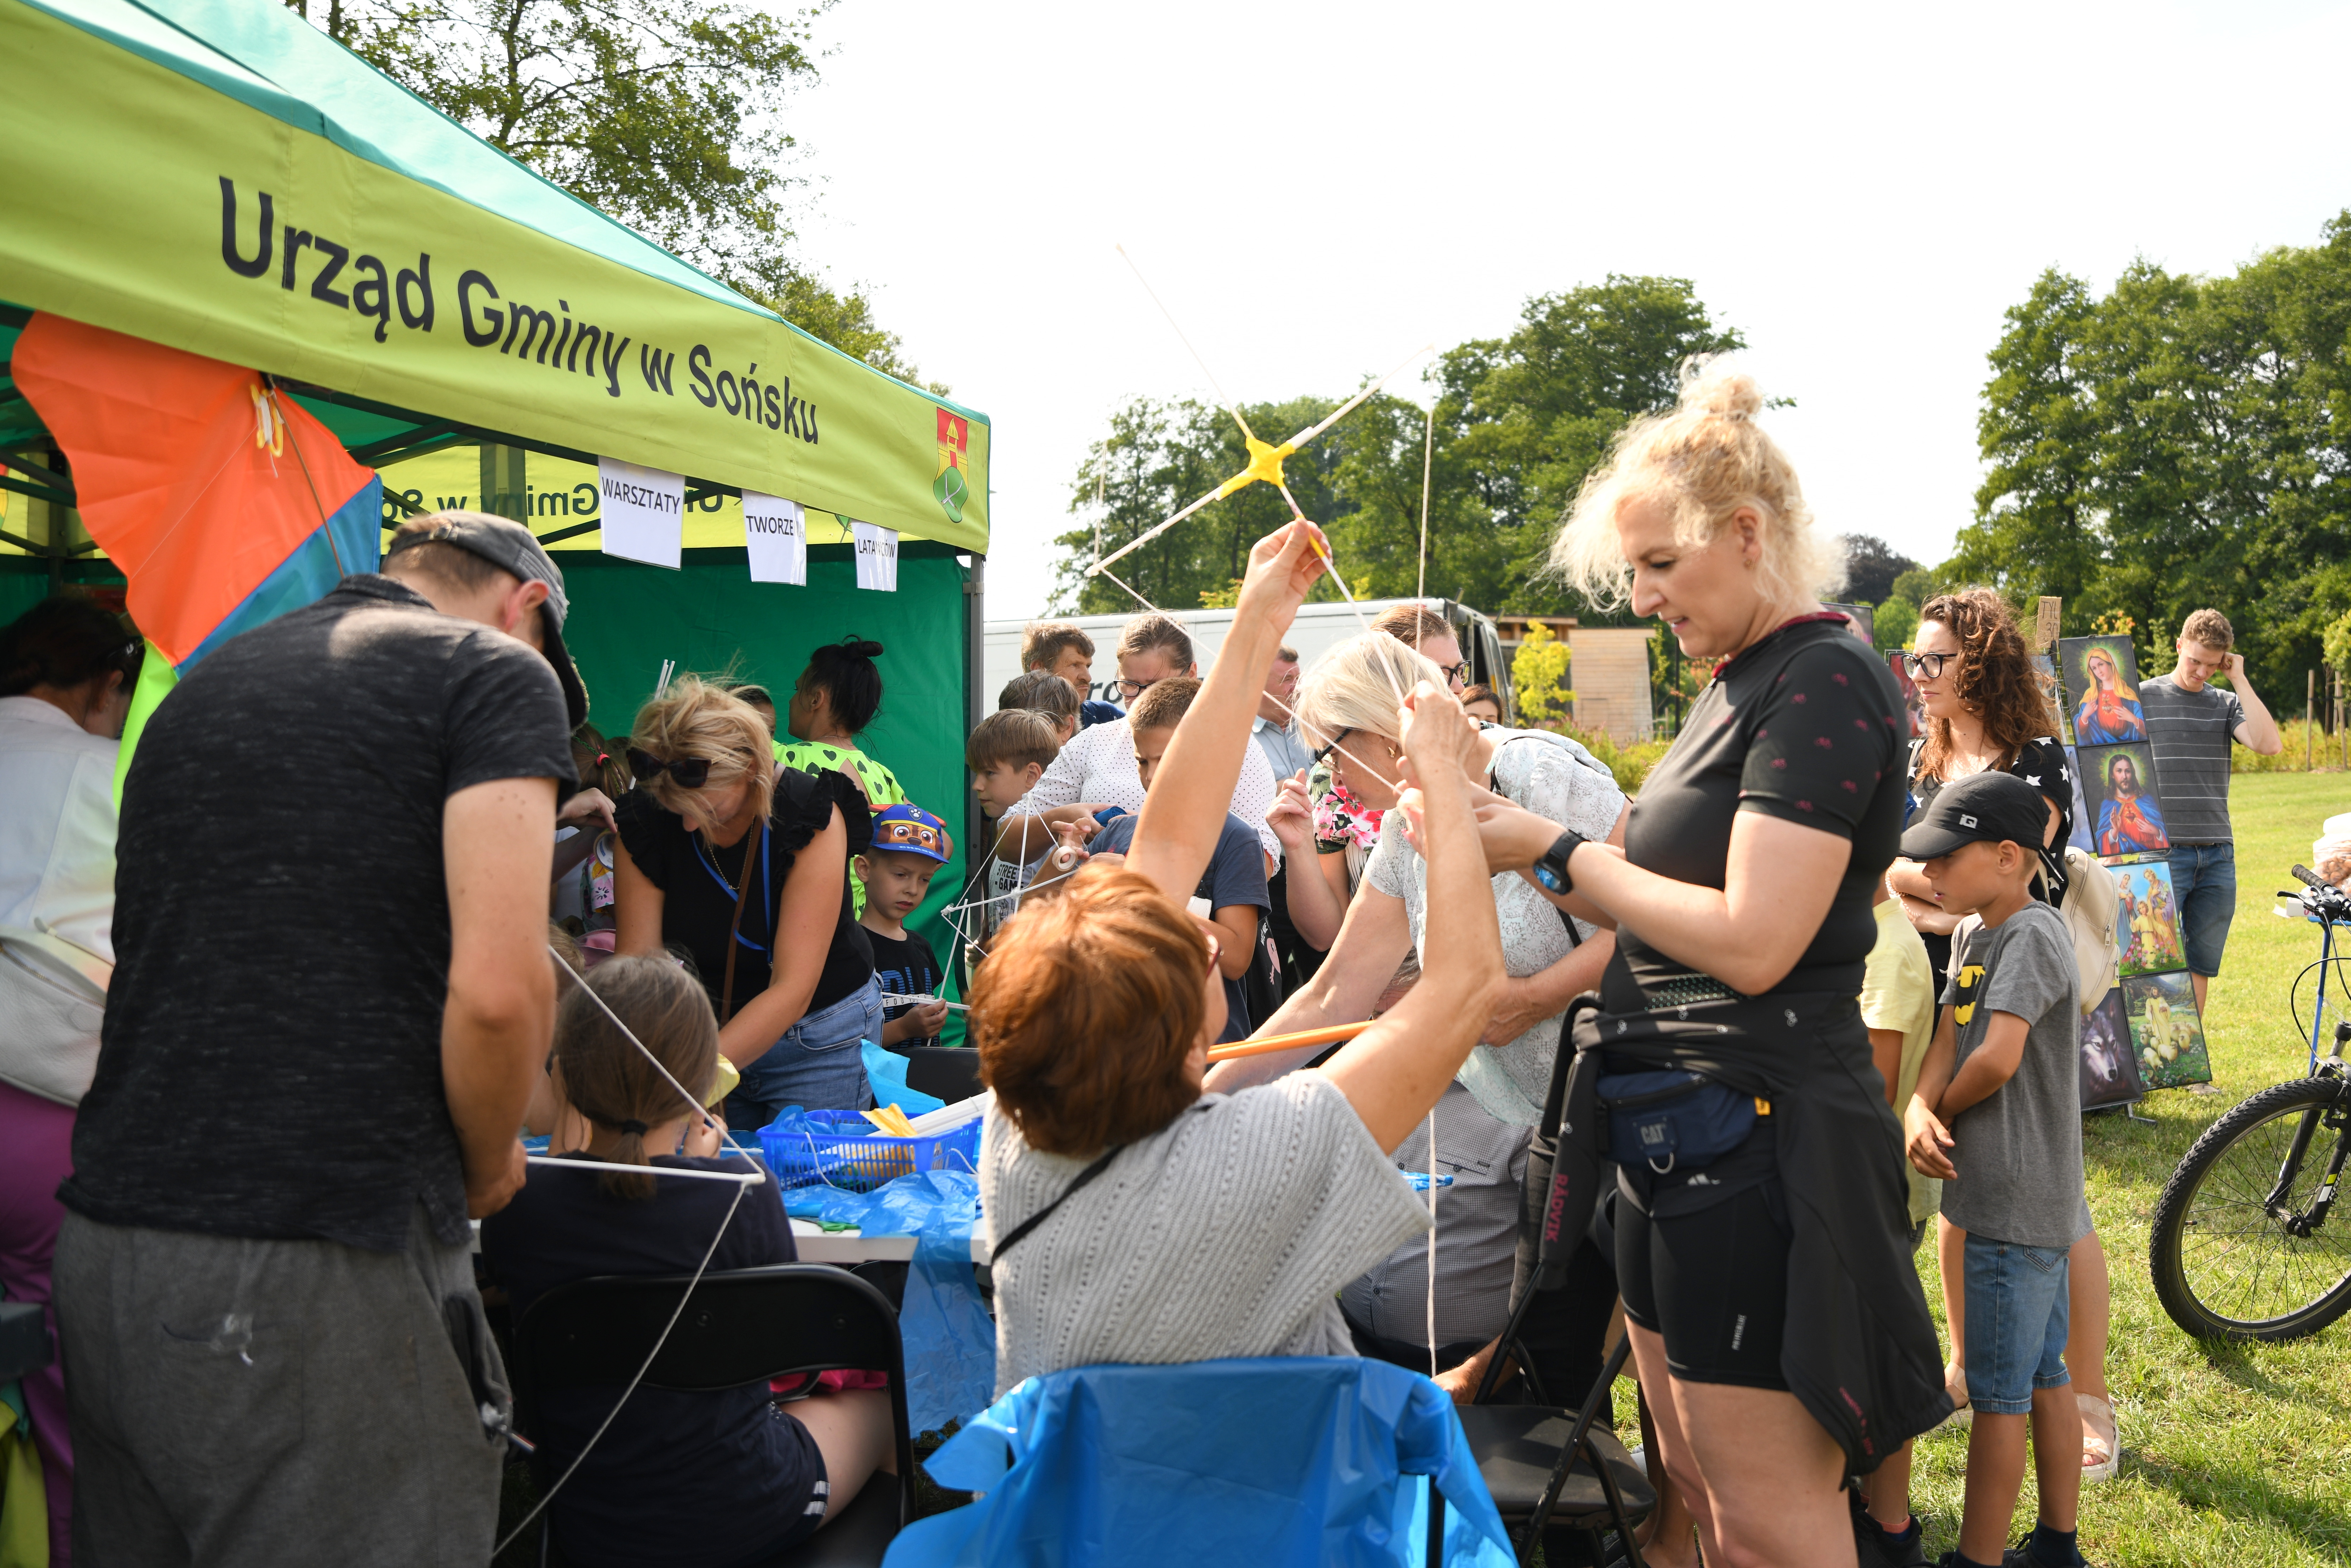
(1704,459)
(696,718)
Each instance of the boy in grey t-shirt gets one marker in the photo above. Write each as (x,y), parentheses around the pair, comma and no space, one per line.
(1996,1114)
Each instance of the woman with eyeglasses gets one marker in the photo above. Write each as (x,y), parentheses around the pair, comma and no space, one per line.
(1096,769)
(742,865)
(1986,707)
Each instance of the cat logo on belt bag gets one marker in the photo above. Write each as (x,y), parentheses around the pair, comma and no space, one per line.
(1674,1118)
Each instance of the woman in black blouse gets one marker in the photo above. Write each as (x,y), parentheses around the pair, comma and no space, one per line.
(1778,1323)
(1988,707)
(728,858)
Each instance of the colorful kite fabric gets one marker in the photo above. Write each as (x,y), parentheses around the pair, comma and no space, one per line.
(224,503)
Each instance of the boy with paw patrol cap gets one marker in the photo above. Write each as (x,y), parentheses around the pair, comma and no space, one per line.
(1997,1115)
(909,847)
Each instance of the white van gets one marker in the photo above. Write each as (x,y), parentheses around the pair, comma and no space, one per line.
(1317,628)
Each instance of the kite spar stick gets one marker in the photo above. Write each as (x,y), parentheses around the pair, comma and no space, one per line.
(1245,476)
(1330,1035)
(1427,458)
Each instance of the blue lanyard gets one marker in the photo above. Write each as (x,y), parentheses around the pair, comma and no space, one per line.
(767,881)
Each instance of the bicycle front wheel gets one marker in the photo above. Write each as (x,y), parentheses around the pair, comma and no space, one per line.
(2236,1253)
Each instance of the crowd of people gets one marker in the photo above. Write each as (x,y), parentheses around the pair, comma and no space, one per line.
(1834,1004)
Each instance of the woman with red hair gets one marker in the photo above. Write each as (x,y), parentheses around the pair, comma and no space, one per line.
(1134,1218)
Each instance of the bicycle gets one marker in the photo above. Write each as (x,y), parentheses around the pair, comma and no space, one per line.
(2241,1250)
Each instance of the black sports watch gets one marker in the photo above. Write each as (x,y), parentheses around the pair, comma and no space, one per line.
(1551,870)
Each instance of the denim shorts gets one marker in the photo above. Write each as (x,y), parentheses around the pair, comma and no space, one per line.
(2204,881)
(816,1065)
(2017,1319)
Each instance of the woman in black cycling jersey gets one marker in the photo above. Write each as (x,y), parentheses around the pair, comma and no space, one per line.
(1762,1217)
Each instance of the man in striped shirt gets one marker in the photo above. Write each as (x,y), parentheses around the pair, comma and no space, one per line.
(2190,723)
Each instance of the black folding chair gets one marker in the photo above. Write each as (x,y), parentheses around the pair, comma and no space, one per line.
(1542,1463)
(743,1325)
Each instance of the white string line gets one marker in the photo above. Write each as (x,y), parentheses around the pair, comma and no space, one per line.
(1284,706)
(1230,406)
(1220,492)
(676,1313)
(630,1035)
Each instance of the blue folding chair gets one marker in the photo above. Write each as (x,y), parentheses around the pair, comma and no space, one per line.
(1305,1460)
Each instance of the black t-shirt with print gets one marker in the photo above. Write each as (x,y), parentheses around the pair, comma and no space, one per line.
(2041,763)
(1804,726)
(271,1064)
(905,966)
(699,885)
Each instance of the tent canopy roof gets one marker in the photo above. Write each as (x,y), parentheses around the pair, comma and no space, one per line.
(404,257)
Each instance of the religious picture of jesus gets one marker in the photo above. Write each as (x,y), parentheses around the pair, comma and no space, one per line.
(2119,783)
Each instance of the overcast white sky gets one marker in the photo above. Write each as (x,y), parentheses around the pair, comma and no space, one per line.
(1317,189)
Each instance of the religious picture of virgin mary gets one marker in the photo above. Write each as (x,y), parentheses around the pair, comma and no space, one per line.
(2118,783)
(2102,689)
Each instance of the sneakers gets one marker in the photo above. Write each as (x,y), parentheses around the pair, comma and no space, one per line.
(2019,1555)
(1876,1547)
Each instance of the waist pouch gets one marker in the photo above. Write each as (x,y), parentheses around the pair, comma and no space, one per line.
(1675,1119)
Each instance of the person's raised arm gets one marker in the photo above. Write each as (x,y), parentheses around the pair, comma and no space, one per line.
(1180,827)
(2259,733)
(498,1023)
(811,909)
(637,905)
(1394,1071)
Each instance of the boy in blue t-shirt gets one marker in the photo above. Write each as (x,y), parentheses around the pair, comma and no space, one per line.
(1233,887)
(909,847)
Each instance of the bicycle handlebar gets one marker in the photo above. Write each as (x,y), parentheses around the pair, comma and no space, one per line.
(2310,879)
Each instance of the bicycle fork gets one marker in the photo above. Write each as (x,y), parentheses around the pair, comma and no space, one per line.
(2304,1224)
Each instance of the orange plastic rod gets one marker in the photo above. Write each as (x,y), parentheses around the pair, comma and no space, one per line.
(1273,1042)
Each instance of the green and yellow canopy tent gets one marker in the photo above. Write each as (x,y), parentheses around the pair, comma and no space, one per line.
(226,236)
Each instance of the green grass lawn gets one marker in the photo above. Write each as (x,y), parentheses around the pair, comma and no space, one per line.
(2232,1458)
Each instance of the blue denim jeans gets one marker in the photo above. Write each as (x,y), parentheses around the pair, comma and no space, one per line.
(816,1065)
(2204,881)
(2017,1319)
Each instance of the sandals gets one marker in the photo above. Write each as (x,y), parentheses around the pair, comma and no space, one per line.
(2102,1447)
(1955,1383)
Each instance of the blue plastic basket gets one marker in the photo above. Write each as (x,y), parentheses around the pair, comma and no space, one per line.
(842,1148)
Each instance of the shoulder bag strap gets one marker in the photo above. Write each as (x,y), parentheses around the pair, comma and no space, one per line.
(1038,1218)
(735,928)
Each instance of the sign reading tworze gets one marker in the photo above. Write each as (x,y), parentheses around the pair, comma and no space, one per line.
(297,213)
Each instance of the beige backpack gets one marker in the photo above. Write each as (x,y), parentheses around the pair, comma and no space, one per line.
(2091,901)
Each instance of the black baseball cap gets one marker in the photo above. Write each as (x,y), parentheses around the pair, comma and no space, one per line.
(510,547)
(1984,808)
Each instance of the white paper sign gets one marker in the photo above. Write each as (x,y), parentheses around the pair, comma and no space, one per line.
(644,513)
(776,532)
(877,556)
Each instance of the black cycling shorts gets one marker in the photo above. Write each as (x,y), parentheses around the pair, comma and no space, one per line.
(1713,1283)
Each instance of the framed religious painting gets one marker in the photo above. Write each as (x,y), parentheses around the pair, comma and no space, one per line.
(2147,918)
(2164,1030)
(2101,676)
(2118,792)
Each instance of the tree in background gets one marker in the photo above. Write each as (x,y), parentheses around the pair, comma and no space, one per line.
(2182,441)
(1520,421)
(1539,680)
(1871,565)
(661,113)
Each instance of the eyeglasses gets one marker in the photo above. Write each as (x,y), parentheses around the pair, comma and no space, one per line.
(690,772)
(1330,746)
(1455,674)
(1927,665)
(1130,690)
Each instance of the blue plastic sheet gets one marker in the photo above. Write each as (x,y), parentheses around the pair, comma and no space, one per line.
(886,1071)
(1306,1460)
(949,1340)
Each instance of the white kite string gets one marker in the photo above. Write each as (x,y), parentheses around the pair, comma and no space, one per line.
(744,1182)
